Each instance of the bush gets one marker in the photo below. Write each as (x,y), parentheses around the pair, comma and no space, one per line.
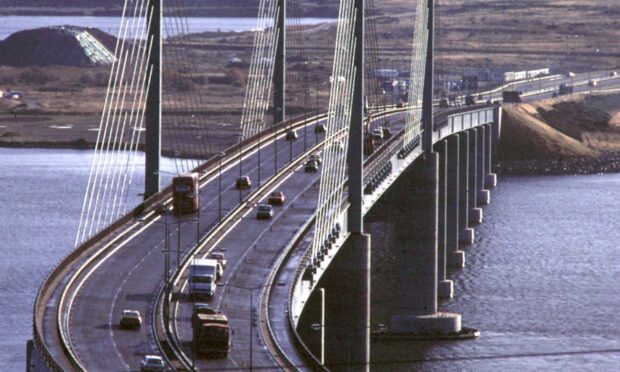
(35,76)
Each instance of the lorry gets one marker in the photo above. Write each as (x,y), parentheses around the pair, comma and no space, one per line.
(202,277)
(211,333)
(565,89)
(185,193)
(511,96)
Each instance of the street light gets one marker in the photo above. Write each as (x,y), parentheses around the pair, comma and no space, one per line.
(241,137)
(221,155)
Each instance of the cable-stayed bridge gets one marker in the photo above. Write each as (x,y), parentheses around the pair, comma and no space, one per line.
(437,161)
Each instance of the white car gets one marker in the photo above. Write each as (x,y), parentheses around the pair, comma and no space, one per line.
(152,363)
(131,319)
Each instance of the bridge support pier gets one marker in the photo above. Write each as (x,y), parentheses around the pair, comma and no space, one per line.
(455,258)
(490,180)
(347,296)
(466,234)
(475,213)
(417,256)
(445,287)
(484,196)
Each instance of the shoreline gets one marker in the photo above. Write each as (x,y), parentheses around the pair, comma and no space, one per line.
(605,163)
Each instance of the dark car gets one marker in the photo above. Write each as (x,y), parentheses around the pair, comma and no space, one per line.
(243,182)
(320,128)
(311,166)
(264,211)
(291,135)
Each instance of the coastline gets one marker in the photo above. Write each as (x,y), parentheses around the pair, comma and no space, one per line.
(605,163)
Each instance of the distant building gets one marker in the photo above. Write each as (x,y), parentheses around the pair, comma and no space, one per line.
(473,79)
(385,73)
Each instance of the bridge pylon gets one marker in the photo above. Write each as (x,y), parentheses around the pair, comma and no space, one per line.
(153,100)
(279,70)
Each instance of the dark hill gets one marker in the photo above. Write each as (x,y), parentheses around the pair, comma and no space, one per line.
(58,46)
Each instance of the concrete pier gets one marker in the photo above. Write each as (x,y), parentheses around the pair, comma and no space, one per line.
(417,242)
(483,196)
(475,213)
(466,234)
(490,180)
(455,258)
(347,296)
(445,287)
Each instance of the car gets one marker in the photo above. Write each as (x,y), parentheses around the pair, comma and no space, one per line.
(264,211)
(444,103)
(592,83)
(276,198)
(315,157)
(311,166)
(320,128)
(401,104)
(131,319)
(220,257)
(377,133)
(152,363)
(570,74)
(613,73)
(291,135)
(243,182)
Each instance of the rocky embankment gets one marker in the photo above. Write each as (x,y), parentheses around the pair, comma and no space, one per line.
(574,135)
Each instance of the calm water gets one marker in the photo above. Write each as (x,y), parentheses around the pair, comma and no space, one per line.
(40,203)
(11,24)
(542,282)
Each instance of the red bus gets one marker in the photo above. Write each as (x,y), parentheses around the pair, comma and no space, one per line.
(185,193)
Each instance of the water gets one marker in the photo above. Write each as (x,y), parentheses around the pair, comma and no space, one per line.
(40,203)
(541,284)
(11,24)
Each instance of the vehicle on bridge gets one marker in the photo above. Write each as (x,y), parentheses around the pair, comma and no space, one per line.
(130,319)
(276,198)
(185,193)
(291,135)
(220,257)
(264,211)
(592,83)
(152,363)
(565,89)
(470,100)
(312,166)
(243,182)
(211,333)
(511,96)
(320,128)
(202,277)
(315,157)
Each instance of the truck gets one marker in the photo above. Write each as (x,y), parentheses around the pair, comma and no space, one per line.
(511,96)
(202,277)
(565,89)
(470,100)
(211,333)
(185,193)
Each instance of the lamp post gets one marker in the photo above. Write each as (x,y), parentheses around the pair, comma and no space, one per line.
(241,137)
(221,154)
